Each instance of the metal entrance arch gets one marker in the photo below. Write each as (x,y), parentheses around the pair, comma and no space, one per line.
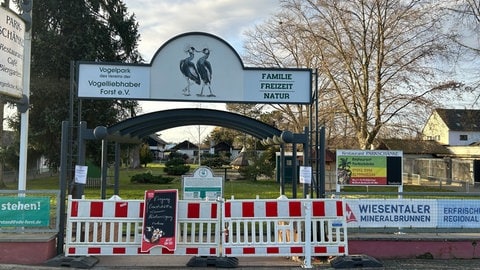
(146,124)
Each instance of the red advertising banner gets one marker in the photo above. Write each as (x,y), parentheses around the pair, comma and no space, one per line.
(160,219)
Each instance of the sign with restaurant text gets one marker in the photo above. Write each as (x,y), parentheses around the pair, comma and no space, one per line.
(12,34)
(160,219)
(369,167)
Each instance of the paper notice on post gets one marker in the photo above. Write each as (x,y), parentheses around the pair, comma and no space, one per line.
(305,175)
(81,174)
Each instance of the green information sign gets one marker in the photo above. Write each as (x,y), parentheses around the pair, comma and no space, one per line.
(24,211)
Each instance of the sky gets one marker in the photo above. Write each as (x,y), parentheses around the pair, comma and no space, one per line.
(161,20)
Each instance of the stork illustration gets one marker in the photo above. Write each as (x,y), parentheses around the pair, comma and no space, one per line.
(205,71)
(188,69)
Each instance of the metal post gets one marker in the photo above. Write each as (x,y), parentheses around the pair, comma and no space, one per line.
(282,169)
(63,185)
(294,170)
(117,168)
(104,170)
(321,161)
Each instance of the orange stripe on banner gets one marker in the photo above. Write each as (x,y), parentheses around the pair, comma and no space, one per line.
(248,209)
(248,250)
(213,209)
(96,209)
(94,250)
(295,209)
(191,251)
(273,250)
(296,250)
(74,210)
(193,210)
(121,209)
(119,250)
(228,211)
(271,209)
(339,209)
(318,209)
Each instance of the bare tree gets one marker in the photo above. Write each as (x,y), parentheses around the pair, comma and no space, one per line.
(375,59)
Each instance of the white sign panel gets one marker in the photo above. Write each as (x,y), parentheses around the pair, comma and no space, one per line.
(12,32)
(113,81)
(202,185)
(198,67)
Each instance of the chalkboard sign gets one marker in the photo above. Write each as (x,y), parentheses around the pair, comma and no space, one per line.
(160,219)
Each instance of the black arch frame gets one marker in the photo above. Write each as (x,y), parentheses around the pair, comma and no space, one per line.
(146,124)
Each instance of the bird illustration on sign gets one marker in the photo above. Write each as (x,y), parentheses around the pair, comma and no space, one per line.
(199,73)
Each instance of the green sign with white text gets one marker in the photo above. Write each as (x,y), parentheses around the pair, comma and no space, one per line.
(24,211)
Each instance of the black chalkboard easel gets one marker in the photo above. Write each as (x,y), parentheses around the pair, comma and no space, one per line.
(160,219)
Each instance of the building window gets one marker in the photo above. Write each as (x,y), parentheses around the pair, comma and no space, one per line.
(463,137)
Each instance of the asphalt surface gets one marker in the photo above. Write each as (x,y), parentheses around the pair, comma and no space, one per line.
(262,263)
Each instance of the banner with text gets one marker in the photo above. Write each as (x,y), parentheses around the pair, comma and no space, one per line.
(195,67)
(24,211)
(416,213)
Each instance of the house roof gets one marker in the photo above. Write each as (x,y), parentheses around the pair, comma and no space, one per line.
(414,146)
(460,120)
(154,139)
(185,145)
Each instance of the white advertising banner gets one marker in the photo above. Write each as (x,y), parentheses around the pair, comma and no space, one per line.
(415,213)
(12,33)
(391,213)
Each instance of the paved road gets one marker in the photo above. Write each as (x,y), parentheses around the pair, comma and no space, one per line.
(180,262)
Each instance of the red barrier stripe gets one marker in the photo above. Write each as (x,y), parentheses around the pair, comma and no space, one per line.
(295,209)
(271,209)
(191,251)
(71,250)
(94,250)
(74,210)
(339,209)
(119,250)
(228,251)
(166,251)
(213,210)
(96,209)
(341,249)
(318,209)
(296,250)
(121,209)
(213,251)
(139,251)
(273,250)
(228,210)
(141,210)
(193,210)
(248,250)
(248,209)
(320,250)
